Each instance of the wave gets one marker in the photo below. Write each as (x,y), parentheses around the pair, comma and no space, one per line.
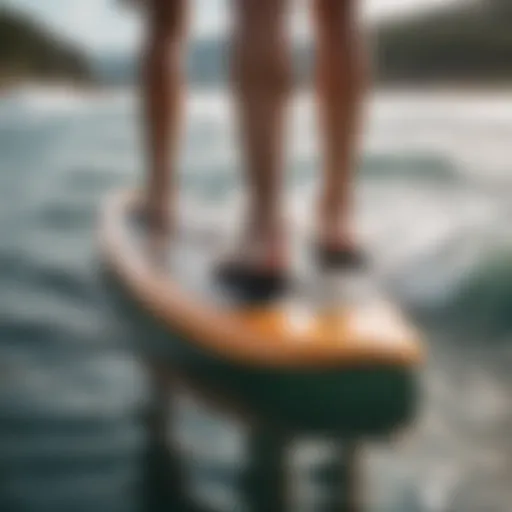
(42,100)
(480,308)
(412,166)
(36,103)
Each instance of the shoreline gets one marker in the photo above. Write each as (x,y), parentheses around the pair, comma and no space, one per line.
(464,88)
(447,87)
(8,85)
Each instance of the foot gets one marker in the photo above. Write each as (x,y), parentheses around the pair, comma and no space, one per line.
(257,269)
(337,248)
(158,218)
(158,230)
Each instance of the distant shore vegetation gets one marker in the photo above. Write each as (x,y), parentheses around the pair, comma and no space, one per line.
(29,52)
(467,43)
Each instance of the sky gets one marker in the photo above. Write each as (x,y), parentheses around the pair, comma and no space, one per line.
(102,25)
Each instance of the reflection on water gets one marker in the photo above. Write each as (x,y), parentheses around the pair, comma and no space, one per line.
(433,207)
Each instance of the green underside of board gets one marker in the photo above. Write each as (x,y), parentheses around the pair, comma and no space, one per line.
(365,401)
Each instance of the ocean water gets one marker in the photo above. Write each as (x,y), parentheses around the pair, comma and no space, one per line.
(433,207)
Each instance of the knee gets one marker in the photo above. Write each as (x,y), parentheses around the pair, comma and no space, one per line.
(340,47)
(166,22)
(336,19)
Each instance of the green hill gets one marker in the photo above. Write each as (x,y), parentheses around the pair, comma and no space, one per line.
(469,42)
(28,51)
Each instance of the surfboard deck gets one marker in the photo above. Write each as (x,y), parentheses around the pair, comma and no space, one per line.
(351,367)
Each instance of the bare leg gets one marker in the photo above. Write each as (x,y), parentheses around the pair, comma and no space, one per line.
(163,76)
(340,87)
(261,77)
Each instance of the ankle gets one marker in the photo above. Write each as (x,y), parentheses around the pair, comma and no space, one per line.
(271,232)
(265,222)
(335,231)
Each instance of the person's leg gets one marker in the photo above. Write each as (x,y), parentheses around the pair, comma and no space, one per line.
(261,75)
(340,89)
(162,74)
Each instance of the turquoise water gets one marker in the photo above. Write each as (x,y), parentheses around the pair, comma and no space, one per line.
(433,208)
